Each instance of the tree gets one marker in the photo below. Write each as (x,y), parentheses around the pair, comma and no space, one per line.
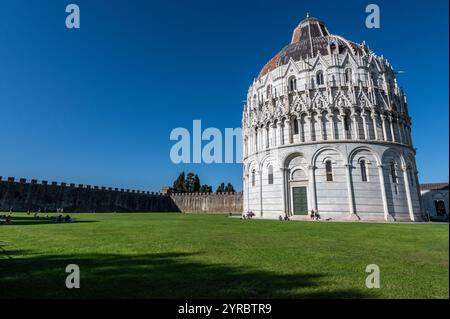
(180,183)
(196,184)
(189,184)
(221,188)
(229,188)
(206,189)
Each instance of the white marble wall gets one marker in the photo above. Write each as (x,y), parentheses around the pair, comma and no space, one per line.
(346,195)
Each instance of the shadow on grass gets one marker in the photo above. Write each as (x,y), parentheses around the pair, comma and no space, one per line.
(163,275)
(24,220)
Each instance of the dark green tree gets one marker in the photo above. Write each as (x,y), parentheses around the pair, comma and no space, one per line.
(189,182)
(229,188)
(196,184)
(221,188)
(206,189)
(180,183)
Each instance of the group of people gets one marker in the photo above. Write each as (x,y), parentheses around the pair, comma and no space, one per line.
(314,215)
(56,218)
(7,221)
(248,215)
(61,219)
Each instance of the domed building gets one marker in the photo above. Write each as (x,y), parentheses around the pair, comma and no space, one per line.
(326,128)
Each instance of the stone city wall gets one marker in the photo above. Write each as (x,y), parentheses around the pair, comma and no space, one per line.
(23,195)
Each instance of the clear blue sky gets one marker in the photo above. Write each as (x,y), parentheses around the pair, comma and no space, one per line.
(97,105)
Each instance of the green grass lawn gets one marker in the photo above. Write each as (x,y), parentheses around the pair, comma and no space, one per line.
(212,256)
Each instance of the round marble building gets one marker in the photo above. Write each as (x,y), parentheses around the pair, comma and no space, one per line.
(326,127)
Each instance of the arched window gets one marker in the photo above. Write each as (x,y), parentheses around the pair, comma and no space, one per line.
(363,166)
(253,178)
(292,84)
(319,78)
(333,48)
(348,75)
(393,173)
(270,175)
(268,91)
(439,204)
(346,122)
(295,124)
(329,171)
(394,177)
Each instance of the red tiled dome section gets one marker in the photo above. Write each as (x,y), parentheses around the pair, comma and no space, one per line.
(271,65)
(310,38)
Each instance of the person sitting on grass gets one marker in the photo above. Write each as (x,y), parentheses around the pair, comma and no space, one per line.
(8,220)
(67,219)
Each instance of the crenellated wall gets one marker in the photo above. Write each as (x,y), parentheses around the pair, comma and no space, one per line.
(209,202)
(23,195)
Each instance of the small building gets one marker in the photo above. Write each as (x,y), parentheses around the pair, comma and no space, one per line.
(435,200)
(166,190)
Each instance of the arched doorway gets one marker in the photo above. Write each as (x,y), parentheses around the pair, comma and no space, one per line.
(298,186)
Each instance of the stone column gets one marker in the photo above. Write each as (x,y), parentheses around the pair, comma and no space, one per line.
(375,128)
(312,187)
(300,128)
(287,192)
(383,193)
(283,187)
(342,130)
(351,202)
(366,133)
(330,119)
(280,133)
(355,127)
(311,128)
(319,136)
(383,123)
(301,132)
(391,125)
(408,194)
(289,129)
(274,134)
(260,193)
(247,191)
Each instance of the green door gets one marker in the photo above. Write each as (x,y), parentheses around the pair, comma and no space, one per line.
(300,200)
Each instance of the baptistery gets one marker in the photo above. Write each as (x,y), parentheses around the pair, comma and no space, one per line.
(326,130)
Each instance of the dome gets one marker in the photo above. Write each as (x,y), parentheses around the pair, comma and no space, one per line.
(310,38)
